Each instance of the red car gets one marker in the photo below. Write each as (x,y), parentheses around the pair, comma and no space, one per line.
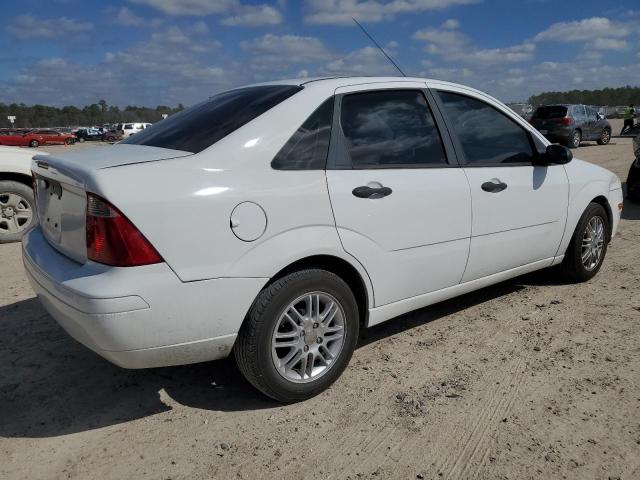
(35,138)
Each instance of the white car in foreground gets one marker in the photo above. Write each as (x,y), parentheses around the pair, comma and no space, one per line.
(17,206)
(277,220)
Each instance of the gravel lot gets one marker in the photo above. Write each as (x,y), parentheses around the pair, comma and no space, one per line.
(532,378)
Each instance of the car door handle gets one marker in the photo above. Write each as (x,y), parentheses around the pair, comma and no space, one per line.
(368,192)
(494,186)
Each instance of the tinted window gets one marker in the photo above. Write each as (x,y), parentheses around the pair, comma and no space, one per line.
(198,127)
(390,129)
(307,148)
(553,111)
(488,137)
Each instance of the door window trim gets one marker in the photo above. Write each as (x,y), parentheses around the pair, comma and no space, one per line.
(339,158)
(537,148)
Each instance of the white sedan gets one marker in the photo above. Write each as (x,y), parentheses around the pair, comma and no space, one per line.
(275,221)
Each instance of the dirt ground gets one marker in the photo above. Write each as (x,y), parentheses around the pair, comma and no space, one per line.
(532,378)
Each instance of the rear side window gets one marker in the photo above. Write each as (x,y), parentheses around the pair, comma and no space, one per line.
(547,113)
(391,129)
(488,137)
(196,128)
(308,147)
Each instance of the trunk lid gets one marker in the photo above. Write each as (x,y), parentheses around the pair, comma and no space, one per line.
(61,194)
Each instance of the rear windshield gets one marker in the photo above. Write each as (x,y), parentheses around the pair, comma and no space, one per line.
(550,112)
(202,125)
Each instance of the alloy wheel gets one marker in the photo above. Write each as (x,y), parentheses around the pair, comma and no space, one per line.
(593,243)
(308,337)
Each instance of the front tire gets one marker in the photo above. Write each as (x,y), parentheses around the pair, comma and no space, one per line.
(299,335)
(81,140)
(605,137)
(34,143)
(576,138)
(588,246)
(17,213)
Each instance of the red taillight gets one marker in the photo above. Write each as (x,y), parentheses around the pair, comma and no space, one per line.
(113,240)
(565,121)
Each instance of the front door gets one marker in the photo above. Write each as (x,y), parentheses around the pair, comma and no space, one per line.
(401,204)
(519,209)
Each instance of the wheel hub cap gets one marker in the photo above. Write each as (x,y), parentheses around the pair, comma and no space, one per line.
(15,213)
(308,337)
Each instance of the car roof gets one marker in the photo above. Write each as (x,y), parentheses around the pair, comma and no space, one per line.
(332,83)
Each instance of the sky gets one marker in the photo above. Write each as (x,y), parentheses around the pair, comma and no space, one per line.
(166,52)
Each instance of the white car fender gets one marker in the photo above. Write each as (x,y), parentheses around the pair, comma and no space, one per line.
(16,160)
(586,183)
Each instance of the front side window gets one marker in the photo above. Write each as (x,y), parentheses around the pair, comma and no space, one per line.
(488,137)
(196,128)
(308,147)
(391,129)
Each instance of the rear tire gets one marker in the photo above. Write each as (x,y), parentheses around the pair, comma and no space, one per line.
(34,143)
(576,138)
(17,212)
(81,140)
(262,358)
(578,265)
(605,137)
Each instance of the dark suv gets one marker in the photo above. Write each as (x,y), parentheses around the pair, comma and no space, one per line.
(571,124)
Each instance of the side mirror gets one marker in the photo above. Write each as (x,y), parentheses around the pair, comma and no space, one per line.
(557,154)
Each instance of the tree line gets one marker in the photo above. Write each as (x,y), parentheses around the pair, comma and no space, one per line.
(605,97)
(32,116)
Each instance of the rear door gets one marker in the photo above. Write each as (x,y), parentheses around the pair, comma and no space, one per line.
(402,205)
(519,209)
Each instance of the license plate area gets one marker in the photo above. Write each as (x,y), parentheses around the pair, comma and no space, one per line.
(49,199)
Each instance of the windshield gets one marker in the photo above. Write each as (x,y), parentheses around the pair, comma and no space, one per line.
(547,113)
(202,125)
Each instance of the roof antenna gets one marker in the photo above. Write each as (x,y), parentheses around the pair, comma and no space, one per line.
(379,47)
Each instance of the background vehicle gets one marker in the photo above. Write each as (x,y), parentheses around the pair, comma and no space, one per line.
(633,179)
(112,136)
(129,129)
(85,134)
(17,207)
(36,138)
(571,124)
(331,205)
(54,137)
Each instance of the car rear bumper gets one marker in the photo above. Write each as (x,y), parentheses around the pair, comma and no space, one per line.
(138,317)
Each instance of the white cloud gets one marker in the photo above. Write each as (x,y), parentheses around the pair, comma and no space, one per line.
(125,17)
(454,45)
(275,50)
(341,12)
(452,23)
(609,44)
(200,27)
(365,61)
(28,27)
(252,16)
(584,30)
(190,7)
(236,13)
